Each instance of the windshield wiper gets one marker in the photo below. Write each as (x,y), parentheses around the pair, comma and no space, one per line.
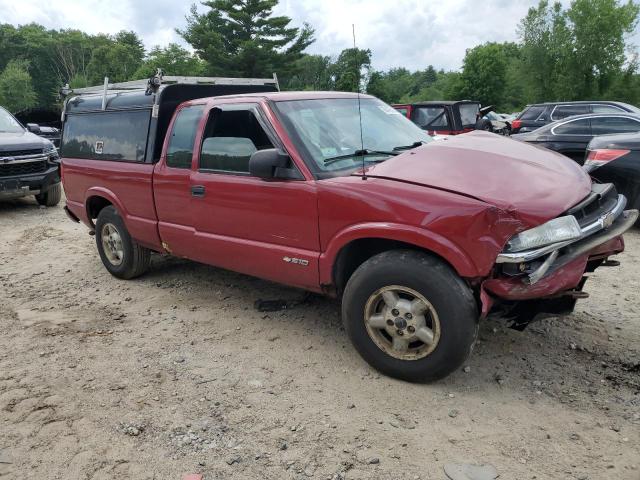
(358,153)
(409,147)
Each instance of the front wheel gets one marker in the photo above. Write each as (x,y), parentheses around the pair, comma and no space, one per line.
(51,197)
(120,254)
(410,316)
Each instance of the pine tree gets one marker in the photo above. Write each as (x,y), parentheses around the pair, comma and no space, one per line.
(242,38)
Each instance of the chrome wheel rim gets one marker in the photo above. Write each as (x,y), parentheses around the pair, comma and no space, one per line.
(402,322)
(112,244)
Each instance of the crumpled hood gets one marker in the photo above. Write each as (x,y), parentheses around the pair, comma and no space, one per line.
(532,183)
(21,141)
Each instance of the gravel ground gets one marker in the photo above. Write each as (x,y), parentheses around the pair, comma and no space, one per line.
(177,372)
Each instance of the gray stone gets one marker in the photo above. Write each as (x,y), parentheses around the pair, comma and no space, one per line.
(465,471)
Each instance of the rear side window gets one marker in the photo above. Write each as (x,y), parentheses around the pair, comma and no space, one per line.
(575,127)
(117,136)
(469,114)
(605,125)
(183,135)
(532,113)
(230,138)
(597,108)
(564,111)
(430,117)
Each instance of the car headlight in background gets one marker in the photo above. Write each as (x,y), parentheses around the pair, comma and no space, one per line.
(559,229)
(52,152)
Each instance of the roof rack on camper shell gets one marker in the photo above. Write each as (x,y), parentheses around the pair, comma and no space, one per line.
(158,96)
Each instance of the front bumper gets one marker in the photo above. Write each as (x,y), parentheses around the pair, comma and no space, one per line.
(24,185)
(550,279)
(539,262)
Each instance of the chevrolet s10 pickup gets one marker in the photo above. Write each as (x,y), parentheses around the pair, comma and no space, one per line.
(340,194)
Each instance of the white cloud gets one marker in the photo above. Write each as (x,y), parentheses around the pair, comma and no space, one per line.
(409,33)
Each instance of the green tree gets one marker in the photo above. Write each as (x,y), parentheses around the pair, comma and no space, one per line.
(351,69)
(577,53)
(16,90)
(173,60)
(312,72)
(599,28)
(484,73)
(118,59)
(243,38)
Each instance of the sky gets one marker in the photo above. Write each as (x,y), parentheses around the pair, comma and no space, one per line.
(408,33)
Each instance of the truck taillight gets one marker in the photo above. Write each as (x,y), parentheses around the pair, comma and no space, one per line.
(599,157)
(516,124)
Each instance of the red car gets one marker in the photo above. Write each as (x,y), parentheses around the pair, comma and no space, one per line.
(419,239)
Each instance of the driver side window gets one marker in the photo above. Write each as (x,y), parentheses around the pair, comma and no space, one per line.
(230,138)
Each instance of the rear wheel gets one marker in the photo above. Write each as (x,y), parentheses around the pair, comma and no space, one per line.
(51,197)
(120,254)
(410,316)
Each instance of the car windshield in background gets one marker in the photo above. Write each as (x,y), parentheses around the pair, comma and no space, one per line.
(328,131)
(8,124)
(469,114)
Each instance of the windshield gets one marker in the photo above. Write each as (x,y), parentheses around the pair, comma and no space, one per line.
(327,131)
(9,124)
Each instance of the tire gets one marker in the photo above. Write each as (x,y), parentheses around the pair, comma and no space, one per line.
(51,197)
(120,254)
(451,314)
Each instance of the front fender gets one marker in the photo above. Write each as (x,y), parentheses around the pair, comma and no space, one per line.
(419,237)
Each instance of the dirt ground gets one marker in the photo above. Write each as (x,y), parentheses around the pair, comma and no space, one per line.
(177,372)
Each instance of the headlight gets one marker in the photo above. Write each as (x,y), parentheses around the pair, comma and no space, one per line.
(51,152)
(557,230)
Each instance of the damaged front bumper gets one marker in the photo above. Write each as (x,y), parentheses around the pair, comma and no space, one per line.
(549,279)
(533,265)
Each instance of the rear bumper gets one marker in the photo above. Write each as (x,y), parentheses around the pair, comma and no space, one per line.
(25,185)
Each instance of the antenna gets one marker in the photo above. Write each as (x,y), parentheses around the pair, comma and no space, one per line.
(355,64)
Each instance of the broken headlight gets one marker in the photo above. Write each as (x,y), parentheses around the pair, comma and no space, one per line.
(559,229)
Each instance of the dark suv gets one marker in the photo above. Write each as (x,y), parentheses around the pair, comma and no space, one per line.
(539,114)
(29,164)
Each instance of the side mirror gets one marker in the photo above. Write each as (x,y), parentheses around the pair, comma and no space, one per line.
(33,128)
(270,164)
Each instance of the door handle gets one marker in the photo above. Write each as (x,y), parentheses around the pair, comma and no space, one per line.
(197,191)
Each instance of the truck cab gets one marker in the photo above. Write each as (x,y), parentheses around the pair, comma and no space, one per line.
(340,194)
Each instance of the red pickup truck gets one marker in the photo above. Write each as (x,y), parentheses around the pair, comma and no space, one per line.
(419,239)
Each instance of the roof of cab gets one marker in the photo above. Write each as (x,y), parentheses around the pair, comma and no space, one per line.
(302,95)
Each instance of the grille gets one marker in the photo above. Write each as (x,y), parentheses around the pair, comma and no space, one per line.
(20,153)
(602,199)
(14,169)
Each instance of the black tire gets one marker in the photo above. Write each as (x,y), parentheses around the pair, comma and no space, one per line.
(134,259)
(51,197)
(447,293)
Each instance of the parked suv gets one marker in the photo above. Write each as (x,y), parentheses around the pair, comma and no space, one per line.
(338,193)
(29,164)
(539,114)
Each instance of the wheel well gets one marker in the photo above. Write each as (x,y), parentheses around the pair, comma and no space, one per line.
(95,205)
(355,253)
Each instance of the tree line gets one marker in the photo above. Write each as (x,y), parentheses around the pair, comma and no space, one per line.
(573,53)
